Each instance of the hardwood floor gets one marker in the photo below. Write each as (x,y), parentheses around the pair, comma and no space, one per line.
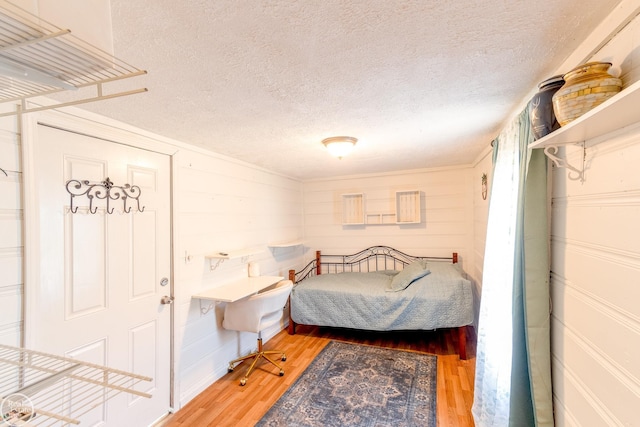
(226,403)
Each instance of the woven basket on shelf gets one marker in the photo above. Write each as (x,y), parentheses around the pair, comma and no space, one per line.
(586,87)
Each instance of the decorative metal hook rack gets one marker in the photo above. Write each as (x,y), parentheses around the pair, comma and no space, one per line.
(104,190)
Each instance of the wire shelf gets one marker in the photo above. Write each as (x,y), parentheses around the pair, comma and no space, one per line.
(51,60)
(40,389)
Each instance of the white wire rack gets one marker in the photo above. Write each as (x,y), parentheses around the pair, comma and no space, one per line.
(40,389)
(38,58)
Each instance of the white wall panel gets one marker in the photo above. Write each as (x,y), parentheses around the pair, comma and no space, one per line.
(596,260)
(480,211)
(11,333)
(225,206)
(11,303)
(11,236)
(626,62)
(11,191)
(446,205)
(219,204)
(590,319)
(9,148)
(570,394)
(483,165)
(11,266)
(601,275)
(595,265)
(11,228)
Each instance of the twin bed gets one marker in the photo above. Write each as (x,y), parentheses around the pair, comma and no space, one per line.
(382,289)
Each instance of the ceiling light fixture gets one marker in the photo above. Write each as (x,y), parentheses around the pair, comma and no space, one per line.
(339,146)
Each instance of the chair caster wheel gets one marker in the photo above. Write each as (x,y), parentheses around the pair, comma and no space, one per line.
(229,369)
(281,373)
(283,358)
(243,381)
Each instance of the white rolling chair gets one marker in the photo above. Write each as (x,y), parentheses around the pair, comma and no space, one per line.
(254,314)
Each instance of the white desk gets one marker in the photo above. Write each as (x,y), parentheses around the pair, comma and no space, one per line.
(239,289)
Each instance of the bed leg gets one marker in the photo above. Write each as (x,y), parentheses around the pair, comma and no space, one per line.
(292,325)
(462,342)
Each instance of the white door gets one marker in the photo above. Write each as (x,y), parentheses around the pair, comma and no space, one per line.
(97,291)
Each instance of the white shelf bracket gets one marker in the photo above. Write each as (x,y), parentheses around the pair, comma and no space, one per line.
(574,173)
(215,265)
(205,308)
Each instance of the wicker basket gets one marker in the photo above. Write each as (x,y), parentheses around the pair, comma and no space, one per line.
(585,87)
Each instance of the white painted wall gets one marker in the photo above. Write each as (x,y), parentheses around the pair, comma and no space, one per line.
(11,237)
(223,205)
(447,213)
(595,288)
(89,20)
(595,250)
(595,253)
(482,165)
(219,204)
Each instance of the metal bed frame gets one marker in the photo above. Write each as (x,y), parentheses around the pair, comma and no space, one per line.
(374,258)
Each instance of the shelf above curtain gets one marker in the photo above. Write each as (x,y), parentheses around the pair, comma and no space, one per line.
(617,112)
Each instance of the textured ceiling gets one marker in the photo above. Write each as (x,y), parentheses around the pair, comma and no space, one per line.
(420,83)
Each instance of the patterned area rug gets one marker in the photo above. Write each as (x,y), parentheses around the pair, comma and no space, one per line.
(357,385)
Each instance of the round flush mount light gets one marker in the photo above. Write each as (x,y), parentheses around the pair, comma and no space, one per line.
(339,146)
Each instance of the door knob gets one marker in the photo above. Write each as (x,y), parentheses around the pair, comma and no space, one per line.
(167,300)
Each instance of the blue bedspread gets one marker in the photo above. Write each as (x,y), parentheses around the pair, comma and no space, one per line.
(441,299)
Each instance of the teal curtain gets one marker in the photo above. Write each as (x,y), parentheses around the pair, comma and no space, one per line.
(513,372)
